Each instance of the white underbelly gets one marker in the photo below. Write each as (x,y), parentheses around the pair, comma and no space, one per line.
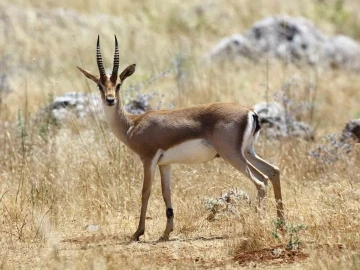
(189,152)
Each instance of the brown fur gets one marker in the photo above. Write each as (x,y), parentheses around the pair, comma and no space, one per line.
(203,121)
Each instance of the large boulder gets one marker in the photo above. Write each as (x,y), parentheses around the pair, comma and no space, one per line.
(276,123)
(290,39)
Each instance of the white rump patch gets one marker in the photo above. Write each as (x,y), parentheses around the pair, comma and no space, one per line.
(248,134)
(189,152)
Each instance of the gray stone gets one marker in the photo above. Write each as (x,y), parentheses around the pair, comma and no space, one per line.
(75,105)
(335,147)
(332,148)
(276,123)
(289,39)
(343,51)
(139,105)
(231,47)
(352,130)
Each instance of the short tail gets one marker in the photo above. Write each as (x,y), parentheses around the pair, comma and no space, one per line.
(257,123)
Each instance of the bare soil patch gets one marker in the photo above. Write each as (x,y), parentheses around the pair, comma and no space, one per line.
(273,255)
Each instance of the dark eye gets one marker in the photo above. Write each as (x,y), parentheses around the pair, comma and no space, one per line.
(117,87)
(99,86)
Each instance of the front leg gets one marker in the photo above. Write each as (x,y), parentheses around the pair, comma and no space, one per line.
(149,170)
(165,173)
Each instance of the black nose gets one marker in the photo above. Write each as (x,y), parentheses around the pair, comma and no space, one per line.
(110,101)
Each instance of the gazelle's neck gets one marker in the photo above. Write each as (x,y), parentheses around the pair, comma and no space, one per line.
(117,119)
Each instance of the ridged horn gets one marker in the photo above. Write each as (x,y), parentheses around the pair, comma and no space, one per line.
(114,73)
(99,59)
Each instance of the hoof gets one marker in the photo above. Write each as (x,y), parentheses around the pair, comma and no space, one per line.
(164,238)
(135,237)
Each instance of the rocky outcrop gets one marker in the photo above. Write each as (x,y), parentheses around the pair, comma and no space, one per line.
(290,39)
(276,123)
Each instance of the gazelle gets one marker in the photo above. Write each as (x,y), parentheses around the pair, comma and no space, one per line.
(189,135)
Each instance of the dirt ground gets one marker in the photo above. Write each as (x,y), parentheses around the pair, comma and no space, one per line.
(113,252)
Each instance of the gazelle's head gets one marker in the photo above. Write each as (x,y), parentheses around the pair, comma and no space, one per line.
(109,84)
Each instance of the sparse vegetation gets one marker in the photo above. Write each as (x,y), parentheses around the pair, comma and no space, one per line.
(290,230)
(56,182)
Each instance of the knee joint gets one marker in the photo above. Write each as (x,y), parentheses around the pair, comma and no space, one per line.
(274,172)
(169,213)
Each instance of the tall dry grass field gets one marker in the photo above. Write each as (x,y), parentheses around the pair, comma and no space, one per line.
(70,194)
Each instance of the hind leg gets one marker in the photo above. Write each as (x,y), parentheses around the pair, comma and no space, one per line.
(264,180)
(274,175)
(239,162)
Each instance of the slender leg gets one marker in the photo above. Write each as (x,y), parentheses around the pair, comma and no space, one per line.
(149,170)
(165,172)
(274,175)
(262,193)
(238,161)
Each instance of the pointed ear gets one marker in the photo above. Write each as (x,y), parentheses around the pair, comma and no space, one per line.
(89,75)
(127,72)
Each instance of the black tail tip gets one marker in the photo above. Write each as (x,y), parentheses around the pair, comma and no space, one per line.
(257,123)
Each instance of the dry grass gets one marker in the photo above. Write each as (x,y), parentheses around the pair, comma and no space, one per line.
(70,196)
